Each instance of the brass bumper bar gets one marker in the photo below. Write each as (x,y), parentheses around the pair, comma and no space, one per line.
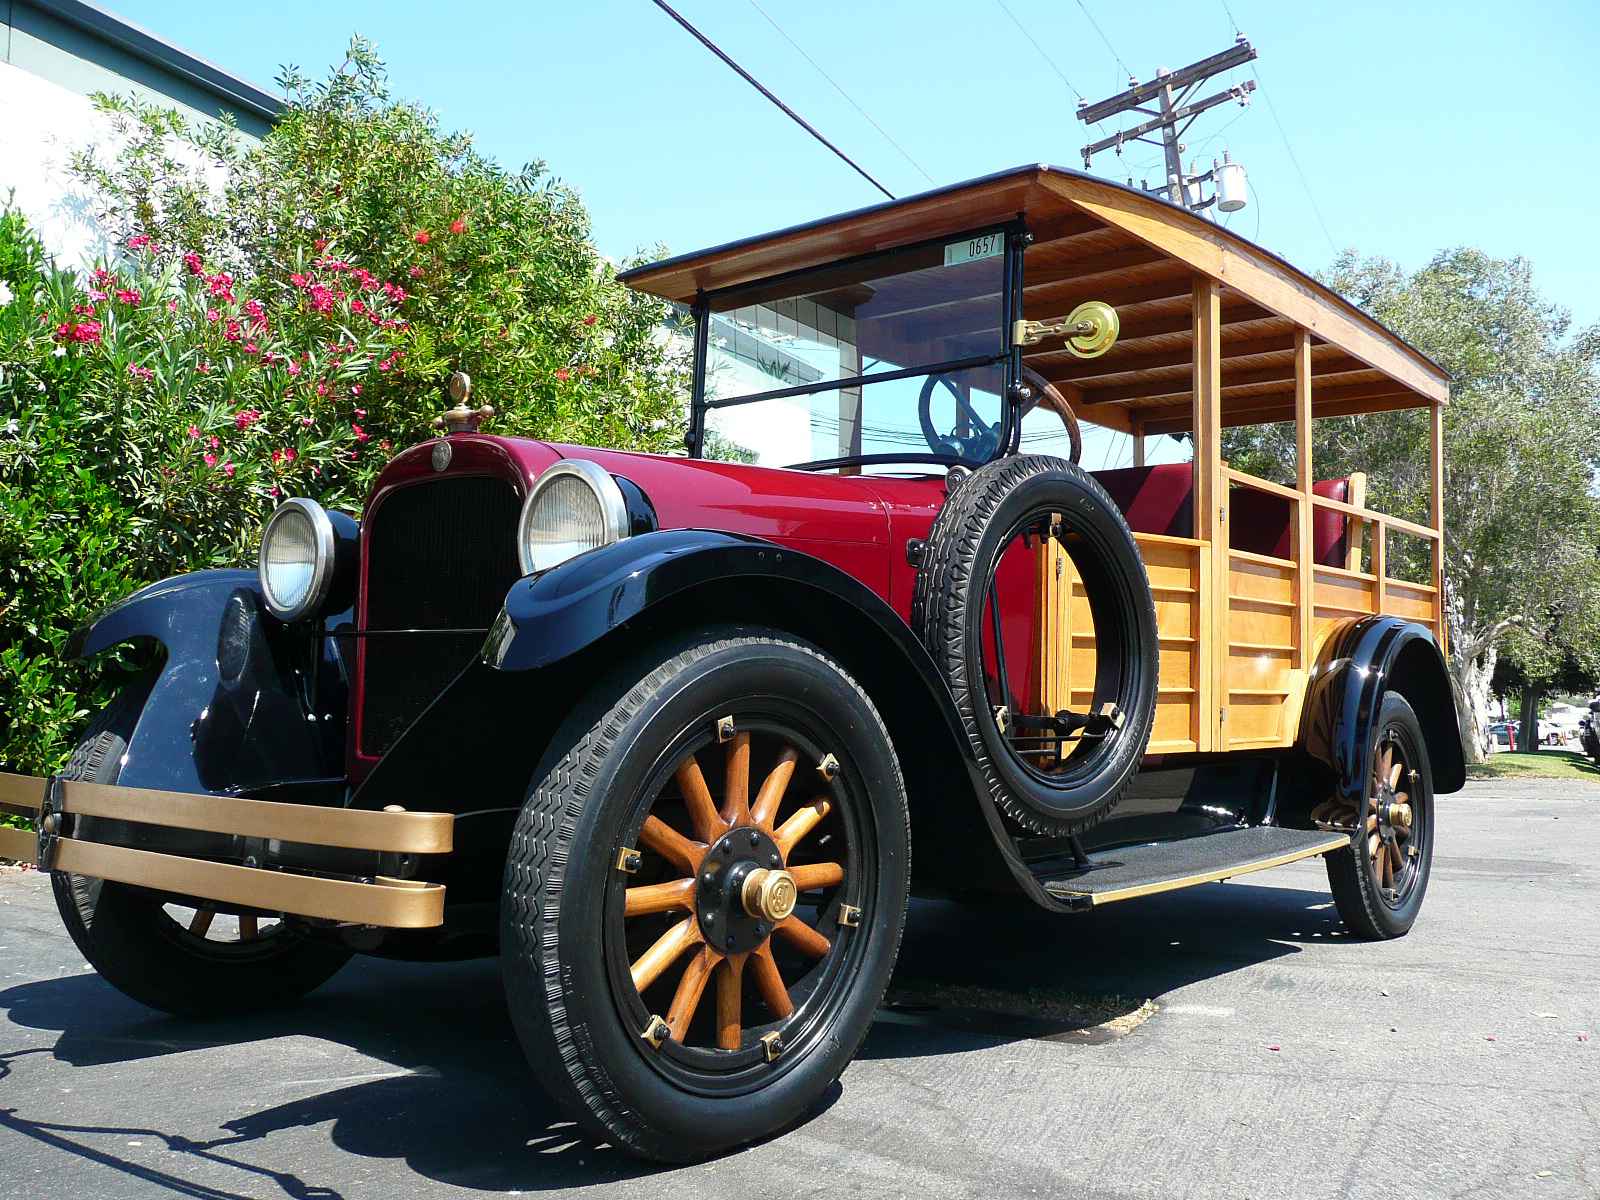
(396,903)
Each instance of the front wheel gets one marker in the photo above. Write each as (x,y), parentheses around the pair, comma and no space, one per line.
(1378,883)
(193,959)
(705,893)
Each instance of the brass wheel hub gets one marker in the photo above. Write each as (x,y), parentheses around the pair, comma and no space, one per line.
(740,891)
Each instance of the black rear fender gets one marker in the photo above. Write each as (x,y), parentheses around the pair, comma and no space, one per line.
(1360,664)
(476,747)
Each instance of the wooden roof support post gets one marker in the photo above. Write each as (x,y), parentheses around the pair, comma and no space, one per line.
(1305,547)
(1436,515)
(1210,510)
(1138,443)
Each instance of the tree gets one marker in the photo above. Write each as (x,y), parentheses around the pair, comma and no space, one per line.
(279,323)
(1522,446)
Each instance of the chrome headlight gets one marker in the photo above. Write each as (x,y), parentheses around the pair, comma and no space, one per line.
(297,559)
(576,506)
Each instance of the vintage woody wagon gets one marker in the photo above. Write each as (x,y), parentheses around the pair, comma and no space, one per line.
(659,730)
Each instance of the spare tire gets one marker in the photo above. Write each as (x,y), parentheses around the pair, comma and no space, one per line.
(1007,499)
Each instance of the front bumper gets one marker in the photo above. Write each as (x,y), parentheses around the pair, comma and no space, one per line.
(58,808)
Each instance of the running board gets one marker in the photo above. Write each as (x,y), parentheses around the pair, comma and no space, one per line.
(1131,871)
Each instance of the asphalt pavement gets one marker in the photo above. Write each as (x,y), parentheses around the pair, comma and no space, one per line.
(1284,1059)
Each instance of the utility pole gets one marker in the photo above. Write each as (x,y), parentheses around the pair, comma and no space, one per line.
(1171,90)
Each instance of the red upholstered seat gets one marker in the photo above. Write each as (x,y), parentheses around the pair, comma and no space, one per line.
(1160,499)
(1157,499)
(1260,523)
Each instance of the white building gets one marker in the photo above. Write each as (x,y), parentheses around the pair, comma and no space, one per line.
(57,53)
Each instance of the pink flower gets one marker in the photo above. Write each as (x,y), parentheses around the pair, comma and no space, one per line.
(361,434)
(103,276)
(385,445)
(172,306)
(97,295)
(194,432)
(294,368)
(356,391)
(458,226)
(416,272)
(423,237)
(253,307)
(322,389)
(191,263)
(128,296)
(83,310)
(590,319)
(229,469)
(361,412)
(216,442)
(299,281)
(384,365)
(204,368)
(305,420)
(316,470)
(289,454)
(563,376)
(83,332)
(138,243)
(211,460)
(251,348)
(212,314)
(274,492)
(320,245)
(140,372)
(245,418)
(357,307)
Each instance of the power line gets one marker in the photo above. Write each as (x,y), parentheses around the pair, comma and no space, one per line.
(757,84)
(1040,49)
(1231,21)
(842,92)
(1105,39)
(1309,196)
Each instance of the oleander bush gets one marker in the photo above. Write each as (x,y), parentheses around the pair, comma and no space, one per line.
(279,323)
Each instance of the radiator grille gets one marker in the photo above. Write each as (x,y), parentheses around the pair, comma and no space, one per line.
(440,555)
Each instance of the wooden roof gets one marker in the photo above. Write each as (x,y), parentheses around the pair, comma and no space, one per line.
(1095,240)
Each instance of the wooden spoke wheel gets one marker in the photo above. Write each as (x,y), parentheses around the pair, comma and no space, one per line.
(1378,884)
(749,894)
(180,956)
(705,893)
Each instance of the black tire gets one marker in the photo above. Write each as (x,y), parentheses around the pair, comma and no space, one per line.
(1370,910)
(572,998)
(979,520)
(130,938)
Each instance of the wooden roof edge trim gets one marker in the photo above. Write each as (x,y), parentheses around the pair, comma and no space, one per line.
(1268,281)
(656,277)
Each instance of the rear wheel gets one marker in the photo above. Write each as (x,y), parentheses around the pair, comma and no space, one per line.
(1379,882)
(184,957)
(705,893)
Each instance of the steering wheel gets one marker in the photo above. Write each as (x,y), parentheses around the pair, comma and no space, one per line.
(978,445)
(1044,392)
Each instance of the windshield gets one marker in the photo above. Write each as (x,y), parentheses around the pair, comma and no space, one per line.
(901,354)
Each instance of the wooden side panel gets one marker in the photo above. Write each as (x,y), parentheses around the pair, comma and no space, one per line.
(1174,566)
(1342,594)
(1261,675)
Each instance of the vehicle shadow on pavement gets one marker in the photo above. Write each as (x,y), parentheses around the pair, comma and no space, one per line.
(460,1106)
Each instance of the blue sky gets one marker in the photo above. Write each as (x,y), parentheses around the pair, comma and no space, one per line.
(1418,124)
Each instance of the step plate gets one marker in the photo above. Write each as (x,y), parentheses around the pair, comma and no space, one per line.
(1131,871)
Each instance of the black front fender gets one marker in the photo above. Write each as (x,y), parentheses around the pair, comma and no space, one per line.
(476,748)
(224,713)
(1363,662)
